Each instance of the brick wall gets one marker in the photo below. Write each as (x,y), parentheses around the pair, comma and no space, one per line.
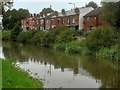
(93,21)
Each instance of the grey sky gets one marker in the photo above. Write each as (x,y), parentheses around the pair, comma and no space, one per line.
(35,6)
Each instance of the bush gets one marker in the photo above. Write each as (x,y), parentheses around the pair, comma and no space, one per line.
(66,35)
(25,37)
(15,32)
(61,46)
(112,53)
(73,48)
(6,35)
(100,37)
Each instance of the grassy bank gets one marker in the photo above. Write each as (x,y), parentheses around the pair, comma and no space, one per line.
(13,77)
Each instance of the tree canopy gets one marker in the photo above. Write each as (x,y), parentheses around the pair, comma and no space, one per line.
(91,4)
(111,12)
(11,17)
(47,10)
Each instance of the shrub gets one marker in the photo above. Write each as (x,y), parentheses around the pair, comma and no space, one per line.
(86,51)
(112,52)
(61,46)
(6,35)
(15,32)
(25,37)
(100,37)
(73,48)
(66,35)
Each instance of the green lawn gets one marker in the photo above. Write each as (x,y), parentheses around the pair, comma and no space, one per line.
(12,77)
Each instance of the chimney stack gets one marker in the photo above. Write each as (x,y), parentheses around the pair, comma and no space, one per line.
(63,11)
(34,14)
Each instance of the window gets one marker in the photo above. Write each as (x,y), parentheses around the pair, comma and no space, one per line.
(88,19)
(58,20)
(73,20)
(68,20)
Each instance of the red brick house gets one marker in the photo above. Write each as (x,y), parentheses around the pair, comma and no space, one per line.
(71,18)
(93,19)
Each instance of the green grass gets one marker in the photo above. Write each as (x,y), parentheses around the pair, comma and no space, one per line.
(0,74)
(13,77)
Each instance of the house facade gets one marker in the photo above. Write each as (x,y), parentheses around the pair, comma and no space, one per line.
(71,18)
(93,19)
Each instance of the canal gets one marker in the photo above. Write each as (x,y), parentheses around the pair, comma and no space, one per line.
(60,70)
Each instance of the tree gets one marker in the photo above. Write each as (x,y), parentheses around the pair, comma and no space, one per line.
(92,4)
(12,16)
(15,32)
(47,10)
(111,12)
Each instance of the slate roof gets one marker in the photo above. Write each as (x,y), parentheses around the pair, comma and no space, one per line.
(71,12)
(95,12)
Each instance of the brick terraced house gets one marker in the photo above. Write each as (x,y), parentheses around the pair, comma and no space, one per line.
(93,19)
(71,18)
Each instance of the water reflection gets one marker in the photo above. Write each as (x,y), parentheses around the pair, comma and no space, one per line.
(63,70)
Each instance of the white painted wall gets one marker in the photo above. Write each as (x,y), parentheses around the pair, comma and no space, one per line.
(83,12)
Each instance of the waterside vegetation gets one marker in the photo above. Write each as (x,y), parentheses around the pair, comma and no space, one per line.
(100,42)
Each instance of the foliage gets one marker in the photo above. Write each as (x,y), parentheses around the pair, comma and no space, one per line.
(73,48)
(65,34)
(6,35)
(41,38)
(25,37)
(15,32)
(61,46)
(12,16)
(111,11)
(60,34)
(13,77)
(46,10)
(92,4)
(99,37)
(112,53)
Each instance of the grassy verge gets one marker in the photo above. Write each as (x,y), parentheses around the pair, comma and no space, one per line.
(0,74)
(13,77)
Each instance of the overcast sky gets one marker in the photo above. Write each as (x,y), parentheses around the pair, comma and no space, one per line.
(35,6)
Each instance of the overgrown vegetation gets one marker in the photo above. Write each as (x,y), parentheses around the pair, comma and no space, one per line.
(13,77)
(100,37)
(46,39)
(6,35)
(98,41)
(15,32)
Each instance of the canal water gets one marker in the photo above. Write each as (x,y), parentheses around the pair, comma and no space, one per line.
(60,70)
